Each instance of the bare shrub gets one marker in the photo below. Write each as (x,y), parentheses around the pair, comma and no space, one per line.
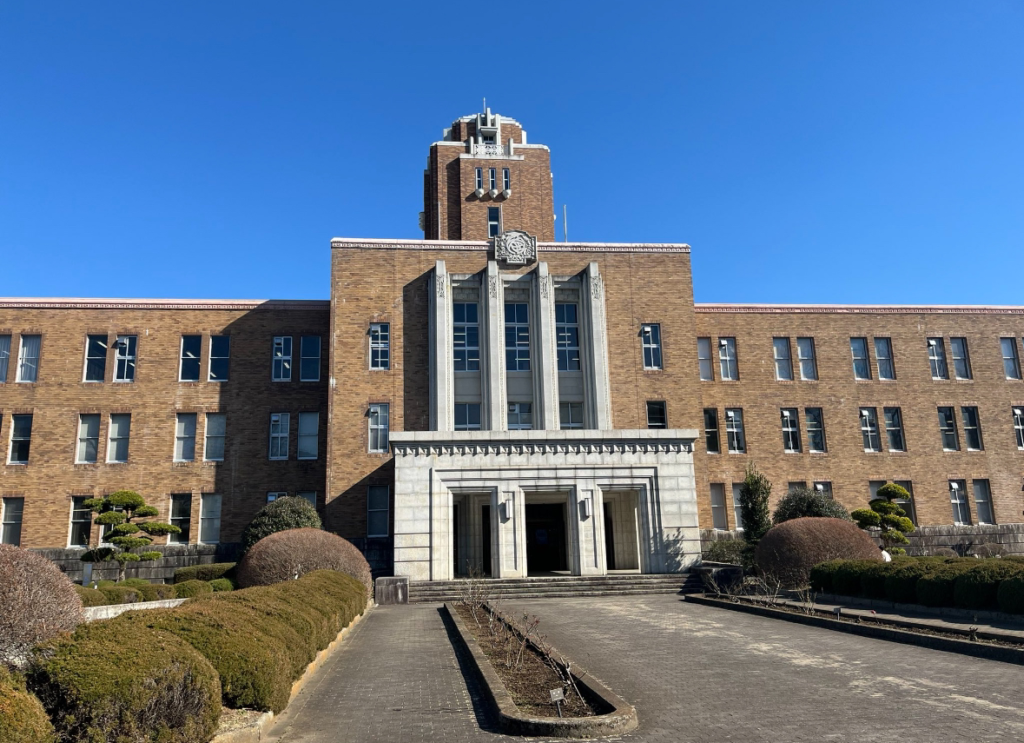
(290,554)
(789,551)
(37,603)
(990,549)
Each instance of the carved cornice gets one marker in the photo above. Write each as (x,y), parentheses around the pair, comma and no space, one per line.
(857,309)
(62,303)
(350,243)
(446,445)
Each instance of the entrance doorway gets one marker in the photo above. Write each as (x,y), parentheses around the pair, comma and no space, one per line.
(622,531)
(471,534)
(545,538)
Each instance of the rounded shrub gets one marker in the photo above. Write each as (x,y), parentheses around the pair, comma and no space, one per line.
(1010,596)
(1013,558)
(37,602)
(119,594)
(787,552)
(280,515)
(118,680)
(209,572)
(936,588)
(806,503)
(191,588)
(222,584)
(288,554)
(91,596)
(22,717)
(978,587)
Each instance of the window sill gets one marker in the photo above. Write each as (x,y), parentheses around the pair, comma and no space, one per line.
(211,462)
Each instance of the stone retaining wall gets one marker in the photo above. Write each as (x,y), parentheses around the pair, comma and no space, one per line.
(156,571)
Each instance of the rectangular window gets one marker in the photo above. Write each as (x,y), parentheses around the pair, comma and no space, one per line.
(958,500)
(273,495)
(861,363)
(466,336)
(961,358)
(937,358)
(651,339)
(727,366)
(377,502)
(711,440)
(972,428)
(493,221)
(735,439)
(281,370)
(81,522)
(279,425)
(220,357)
(95,358)
(506,178)
(307,495)
(209,518)
(783,359)
(181,517)
(216,427)
(379,426)
(517,336)
(1011,359)
(570,415)
(1018,426)
(869,429)
(309,435)
(947,427)
(118,437)
(907,504)
(983,502)
(28,358)
(21,439)
(657,416)
(185,438)
(791,430)
(737,510)
(520,416)
(492,178)
(883,358)
(88,438)
(815,430)
(479,178)
(380,346)
(704,362)
(467,416)
(808,362)
(5,356)
(894,429)
(794,486)
(824,487)
(126,348)
(567,337)
(719,517)
(309,358)
(191,353)
(13,510)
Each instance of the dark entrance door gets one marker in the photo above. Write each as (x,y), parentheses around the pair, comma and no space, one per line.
(609,539)
(545,537)
(457,566)
(486,517)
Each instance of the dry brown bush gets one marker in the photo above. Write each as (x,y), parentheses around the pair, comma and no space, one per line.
(295,552)
(789,551)
(37,602)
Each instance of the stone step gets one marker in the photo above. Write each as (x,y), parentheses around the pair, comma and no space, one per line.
(559,587)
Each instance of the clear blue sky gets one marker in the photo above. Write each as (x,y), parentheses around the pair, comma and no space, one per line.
(808,151)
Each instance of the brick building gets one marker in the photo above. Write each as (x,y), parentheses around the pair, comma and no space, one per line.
(489,398)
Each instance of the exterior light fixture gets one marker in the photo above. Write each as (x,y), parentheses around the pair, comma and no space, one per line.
(819,487)
(954,486)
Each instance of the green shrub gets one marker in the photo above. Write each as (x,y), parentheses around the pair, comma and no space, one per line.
(117,680)
(936,588)
(22,717)
(822,573)
(280,515)
(978,587)
(755,493)
(1011,595)
(157,592)
(91,596)
(191,588)
(846,577)
(901,582)
(1013,558)
(726,550)
(803,502)
(222,584)
(872,579)
(118,594)
(789,551)
(213,571)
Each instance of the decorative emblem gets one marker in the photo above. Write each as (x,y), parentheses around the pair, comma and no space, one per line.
(515,247)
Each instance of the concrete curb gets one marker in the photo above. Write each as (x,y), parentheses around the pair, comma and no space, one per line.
(109,611)
(934,642)
(621,719)
(950,612)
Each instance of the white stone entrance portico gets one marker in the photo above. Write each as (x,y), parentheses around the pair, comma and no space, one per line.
(463,496)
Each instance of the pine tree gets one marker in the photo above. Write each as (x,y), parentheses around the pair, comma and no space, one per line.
(121,511)
(888,516)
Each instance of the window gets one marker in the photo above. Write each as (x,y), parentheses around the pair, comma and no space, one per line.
(282,360)
(961,358)
(380,346)
(479,178)
(719,518)
(894,429)
(735,439)
(5,356)
(309,358)
(181,517)
(907,504)
(1011,360)
(506,178)
(711,440)
(861,363)
(947,427)
(279,425)
(570,415)
(972,428)
(95,358)
(707,373)
(13,510)
(28,358)
(517,336)
(21,439)
(185,438)
(1018,426)
(88,438)
(791,430)
(737,510)
(958,500)
(883,358)
(466,336)
(118,437)
(307,495)
(379,427)
(783,359)
(377,497)
(216,428)
(983,502)
(467,416)
(126,346)
(808,363)
(567,337)
(823,487)
(657,417)
(81,522)
(651,339)
(220,357)
(794,486)
(275,494)
(492,178)
(493,221)
(520,416)
(937,358)
(209,518)
(727,367)
(191,352)
(869,429)
(815,430)
(309,430)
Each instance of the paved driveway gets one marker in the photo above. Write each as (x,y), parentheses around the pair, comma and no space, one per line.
(694,673)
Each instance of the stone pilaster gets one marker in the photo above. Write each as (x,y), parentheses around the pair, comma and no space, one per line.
(493,410)
(441,376)
(546,361)
(598,396)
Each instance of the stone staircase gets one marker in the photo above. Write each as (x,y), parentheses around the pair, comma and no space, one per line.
(569,586)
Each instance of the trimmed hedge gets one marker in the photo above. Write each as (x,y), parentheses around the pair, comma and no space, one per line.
(790,550)
(22,717)
(290,512)
(979,586)
(1010,595)
(222,584)
(213,571)
(118,594)
(936,588)
(191,588)
(286,554)
(91,596)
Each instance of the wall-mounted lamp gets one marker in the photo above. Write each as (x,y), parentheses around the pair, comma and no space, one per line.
(586,508)
(954,486)
(506,509)
(931,342)
(819,487)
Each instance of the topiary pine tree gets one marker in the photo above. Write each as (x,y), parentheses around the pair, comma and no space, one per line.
(888,516)
(755,492)
(121,511)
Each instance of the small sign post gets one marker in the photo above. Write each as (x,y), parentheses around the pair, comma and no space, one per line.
(556,697)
